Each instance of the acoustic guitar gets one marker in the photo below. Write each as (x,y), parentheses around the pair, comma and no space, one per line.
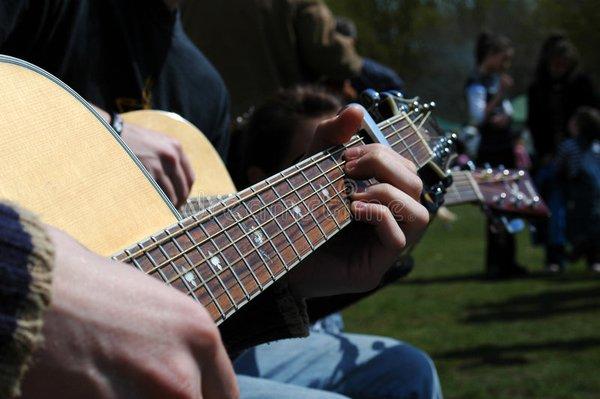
(61,160)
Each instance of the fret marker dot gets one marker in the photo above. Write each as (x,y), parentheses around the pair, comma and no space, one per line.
(325,193)
(216,262)
(258,237)
(264,254)
(189,276)
(297,210)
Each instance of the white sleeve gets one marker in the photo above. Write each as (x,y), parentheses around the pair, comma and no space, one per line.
(476,102)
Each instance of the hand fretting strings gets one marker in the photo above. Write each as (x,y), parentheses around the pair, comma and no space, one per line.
(227,298)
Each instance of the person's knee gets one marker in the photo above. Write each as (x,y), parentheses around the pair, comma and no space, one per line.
(415,374)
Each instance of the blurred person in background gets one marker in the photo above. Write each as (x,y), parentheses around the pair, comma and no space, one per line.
(262,46)
(560,87)
(578,167)
(329,359)
(490,111)
(373,74)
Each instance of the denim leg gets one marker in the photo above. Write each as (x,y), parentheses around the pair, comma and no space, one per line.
(358,366)
(259,388)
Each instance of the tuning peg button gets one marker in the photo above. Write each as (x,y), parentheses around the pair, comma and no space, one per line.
(369,98)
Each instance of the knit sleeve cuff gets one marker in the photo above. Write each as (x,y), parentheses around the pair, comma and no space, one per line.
(275,314)
(26,261)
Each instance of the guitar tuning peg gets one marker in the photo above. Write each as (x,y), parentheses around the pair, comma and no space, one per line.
(396,93)
(432,105)
(521,173)
(370,98)
(506,172)
(500,198)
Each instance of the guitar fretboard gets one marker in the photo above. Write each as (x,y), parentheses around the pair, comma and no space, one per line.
(463,189)
(230,252)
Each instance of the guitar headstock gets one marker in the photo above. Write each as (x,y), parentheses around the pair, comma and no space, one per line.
(509,191)
(435,174)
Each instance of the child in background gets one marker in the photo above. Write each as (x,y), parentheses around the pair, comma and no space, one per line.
(578,164)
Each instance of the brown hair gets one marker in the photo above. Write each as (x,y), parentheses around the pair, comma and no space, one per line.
(265,138)
(489,44)
(556,45)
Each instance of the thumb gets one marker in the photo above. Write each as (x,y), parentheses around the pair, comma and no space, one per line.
(337,130)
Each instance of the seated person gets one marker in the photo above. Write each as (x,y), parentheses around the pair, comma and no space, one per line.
(100,343)
(354,365)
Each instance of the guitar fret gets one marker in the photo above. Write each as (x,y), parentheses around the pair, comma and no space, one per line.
(135,263)
(325,235)
(245,261)
(233,272)
(227,270)
(183,278)
(280,199)
(270,240)
(217,272)
(296,209)
(257,236)
(260,284)
(159,271)
(212,297)
(337,194)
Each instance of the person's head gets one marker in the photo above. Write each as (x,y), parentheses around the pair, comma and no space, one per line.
(279,132)
(585,125)
(558,57)
(346,27)
(493,52)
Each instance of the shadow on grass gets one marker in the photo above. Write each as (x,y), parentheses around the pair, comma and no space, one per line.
(508,355)
(461,278)
(537,306)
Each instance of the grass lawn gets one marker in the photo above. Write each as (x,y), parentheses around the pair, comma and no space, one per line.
(536,337)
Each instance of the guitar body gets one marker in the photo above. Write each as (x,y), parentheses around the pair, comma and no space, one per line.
(62,161)
(212,178)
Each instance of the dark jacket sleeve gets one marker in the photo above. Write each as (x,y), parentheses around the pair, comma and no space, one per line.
(10,13)
(26,259)
(273,315)
(323,51)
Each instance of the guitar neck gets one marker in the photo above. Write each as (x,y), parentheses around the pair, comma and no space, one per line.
(229,253)
(464,189)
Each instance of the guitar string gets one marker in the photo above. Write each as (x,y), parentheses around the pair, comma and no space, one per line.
(302,201)
(246,217)
(254,229)
(256,248)
(187,250)
(313,161)
(310,162)
(237,278)
(199,203)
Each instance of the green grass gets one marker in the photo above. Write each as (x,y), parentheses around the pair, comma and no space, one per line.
(536,337)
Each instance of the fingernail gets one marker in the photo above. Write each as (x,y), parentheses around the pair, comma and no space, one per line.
(359,205)
(361,189)
(353,152)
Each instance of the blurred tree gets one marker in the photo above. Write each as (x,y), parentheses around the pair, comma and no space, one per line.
(430,42)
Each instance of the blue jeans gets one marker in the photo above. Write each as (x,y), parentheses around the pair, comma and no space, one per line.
(336,366)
